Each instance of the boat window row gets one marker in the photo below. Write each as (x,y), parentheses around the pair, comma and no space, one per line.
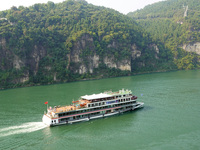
(96,113)
(81,116)
(122,104)
(103,99)
(94,109)
(125,95)
(81,111)
(108,102)
(111,98)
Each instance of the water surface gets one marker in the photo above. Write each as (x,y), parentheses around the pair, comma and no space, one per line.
(169,119)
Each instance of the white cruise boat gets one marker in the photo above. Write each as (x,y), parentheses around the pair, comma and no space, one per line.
(92,107)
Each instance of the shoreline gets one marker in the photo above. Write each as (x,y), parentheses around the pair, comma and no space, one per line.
(89,79)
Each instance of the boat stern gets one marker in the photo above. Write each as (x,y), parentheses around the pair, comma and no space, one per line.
(46,120)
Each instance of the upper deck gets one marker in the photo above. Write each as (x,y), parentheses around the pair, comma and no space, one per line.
(85,100)
(107,95)
(75,106)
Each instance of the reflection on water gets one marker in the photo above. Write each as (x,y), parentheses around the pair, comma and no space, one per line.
(24,128)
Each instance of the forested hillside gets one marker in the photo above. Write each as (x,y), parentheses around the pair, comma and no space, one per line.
(73,40)
(176,23)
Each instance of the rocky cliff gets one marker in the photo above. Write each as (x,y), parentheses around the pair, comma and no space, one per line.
(50,43)
(176,27)
(82,59)
(87,64)
(193,47)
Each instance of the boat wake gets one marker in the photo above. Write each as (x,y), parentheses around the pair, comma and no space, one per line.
(24,128)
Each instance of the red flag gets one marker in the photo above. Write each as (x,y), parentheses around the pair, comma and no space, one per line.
(46,102)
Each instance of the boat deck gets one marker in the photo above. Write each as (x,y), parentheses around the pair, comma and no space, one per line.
(75,106)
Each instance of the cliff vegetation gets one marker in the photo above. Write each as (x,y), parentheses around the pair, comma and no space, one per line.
(175,23)
(74,40)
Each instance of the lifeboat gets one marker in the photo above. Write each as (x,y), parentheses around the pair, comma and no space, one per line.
(133,97)
(82,105)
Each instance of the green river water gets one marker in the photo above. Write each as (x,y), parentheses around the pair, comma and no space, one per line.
(169,120)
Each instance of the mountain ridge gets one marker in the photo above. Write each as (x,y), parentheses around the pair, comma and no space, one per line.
(73,40)
(176,24)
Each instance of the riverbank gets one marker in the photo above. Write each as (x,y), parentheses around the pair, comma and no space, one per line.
(97,77)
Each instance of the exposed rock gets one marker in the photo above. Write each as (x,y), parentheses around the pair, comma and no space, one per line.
(82,69)
(113,45)
(3,43)
(6,56)
(124,64)
(37,54)
(155,47)
(54,77)
(87,63)
(82,58)
(93,63)
(195,47)
(17,63)
(109,61)
(48,68)
(22,79)
(135,53)
(83,64)
(69,60)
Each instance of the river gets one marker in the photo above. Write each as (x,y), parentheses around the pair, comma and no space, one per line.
(169,119)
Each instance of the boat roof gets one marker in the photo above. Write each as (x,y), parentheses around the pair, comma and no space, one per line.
(106,94)
(96,96)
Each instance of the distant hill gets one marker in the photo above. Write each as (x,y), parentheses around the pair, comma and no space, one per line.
(176,24)
(73,40)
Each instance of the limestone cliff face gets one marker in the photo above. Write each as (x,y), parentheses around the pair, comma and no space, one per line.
(85,47)
(92,60)
(32,63)
(10,61)
(35,56)
(6,56)
(3,43)
(83,58)
(193,47)
(124,64)
(112,62)
(155,47)
(135,53)
(18,63)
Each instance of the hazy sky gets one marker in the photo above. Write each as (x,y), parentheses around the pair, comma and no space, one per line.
(123,6)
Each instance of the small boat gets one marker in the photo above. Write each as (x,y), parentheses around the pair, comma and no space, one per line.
(92,107)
